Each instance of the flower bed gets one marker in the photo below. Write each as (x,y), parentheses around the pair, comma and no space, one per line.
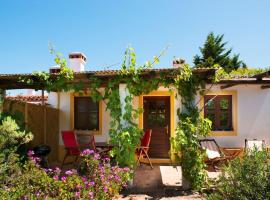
(94,179)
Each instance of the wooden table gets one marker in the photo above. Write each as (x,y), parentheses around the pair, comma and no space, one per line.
(233,151)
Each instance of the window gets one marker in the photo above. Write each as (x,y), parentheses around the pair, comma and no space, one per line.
(218,108)
(86,114)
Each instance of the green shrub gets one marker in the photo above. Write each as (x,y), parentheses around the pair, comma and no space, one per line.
(96,178)
(12,151)
(246,178)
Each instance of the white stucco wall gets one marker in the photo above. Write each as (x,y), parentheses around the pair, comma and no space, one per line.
(253,121)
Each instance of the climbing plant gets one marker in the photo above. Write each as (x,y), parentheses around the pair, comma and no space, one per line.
(54,82)
(190,127)
(124,132)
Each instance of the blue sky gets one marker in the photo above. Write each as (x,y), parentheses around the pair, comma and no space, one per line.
(102,30)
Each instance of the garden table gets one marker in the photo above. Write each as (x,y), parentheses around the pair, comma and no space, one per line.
(233,151)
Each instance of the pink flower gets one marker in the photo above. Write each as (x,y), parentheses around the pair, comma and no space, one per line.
(69,172)
(56,178)
(92,183)
(77,194)
(91,195)
(57,170)
(88,151)
(30,153)
(96,157)
(63,179)
(105,189)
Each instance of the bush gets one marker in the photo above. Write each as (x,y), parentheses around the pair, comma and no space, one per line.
(96,180)
(247,178)
(12,139)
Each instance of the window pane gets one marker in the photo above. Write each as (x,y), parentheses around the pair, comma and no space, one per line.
(219,110)
(212,116)
(224,103)
(224,121)
(210,104)
(86,114)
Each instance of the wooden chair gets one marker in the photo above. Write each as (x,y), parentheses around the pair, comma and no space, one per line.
(72,147)
(142,151)
(251,145)
(214,154)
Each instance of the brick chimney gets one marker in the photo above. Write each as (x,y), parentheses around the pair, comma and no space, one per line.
(177,62)
(77,61)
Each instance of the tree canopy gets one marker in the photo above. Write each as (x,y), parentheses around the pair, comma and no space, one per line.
(214,52)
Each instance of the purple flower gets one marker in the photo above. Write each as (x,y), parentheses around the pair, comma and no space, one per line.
(57,170)
(105,189)
(79,187)
(96,157)
(63,178)
(88,151)
(84,179)
(30,153)
(92,183)
(91,195)
(107,159)
(69,172)
(77,194)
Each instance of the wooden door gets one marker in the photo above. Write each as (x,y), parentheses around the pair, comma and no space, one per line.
(156,116)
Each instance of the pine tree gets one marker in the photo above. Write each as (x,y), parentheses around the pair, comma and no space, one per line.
(214,52)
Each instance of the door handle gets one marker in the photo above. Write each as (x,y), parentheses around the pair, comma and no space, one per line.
(167,129)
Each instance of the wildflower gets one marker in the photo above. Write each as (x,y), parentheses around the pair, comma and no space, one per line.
(56,178)
(92,183)
(63,178)
(105,189)
(91,195)
(69,172)
(96,157)
(77,194)
(84,179)
(57,170)
(88,151)
(107,159)
(30,153)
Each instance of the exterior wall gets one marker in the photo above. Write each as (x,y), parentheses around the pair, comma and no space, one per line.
(253,121)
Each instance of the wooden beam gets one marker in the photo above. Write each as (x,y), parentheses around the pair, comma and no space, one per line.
(227,86)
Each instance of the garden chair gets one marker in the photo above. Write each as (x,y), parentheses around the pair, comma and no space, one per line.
(142,151)
(214,154)
(72,147)
(254,144)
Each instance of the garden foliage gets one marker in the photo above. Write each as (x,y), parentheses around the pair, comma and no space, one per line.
(95,179)
(245,179)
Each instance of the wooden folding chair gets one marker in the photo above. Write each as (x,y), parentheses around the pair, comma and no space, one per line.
(214,154)
(142,151)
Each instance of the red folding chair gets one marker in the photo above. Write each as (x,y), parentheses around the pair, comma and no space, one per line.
(72,147)
(142,151)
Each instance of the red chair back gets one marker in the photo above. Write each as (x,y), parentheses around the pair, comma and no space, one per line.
(70,142)
(145,141)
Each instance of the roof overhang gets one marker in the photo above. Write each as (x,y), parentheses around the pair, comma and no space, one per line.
(13,81)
